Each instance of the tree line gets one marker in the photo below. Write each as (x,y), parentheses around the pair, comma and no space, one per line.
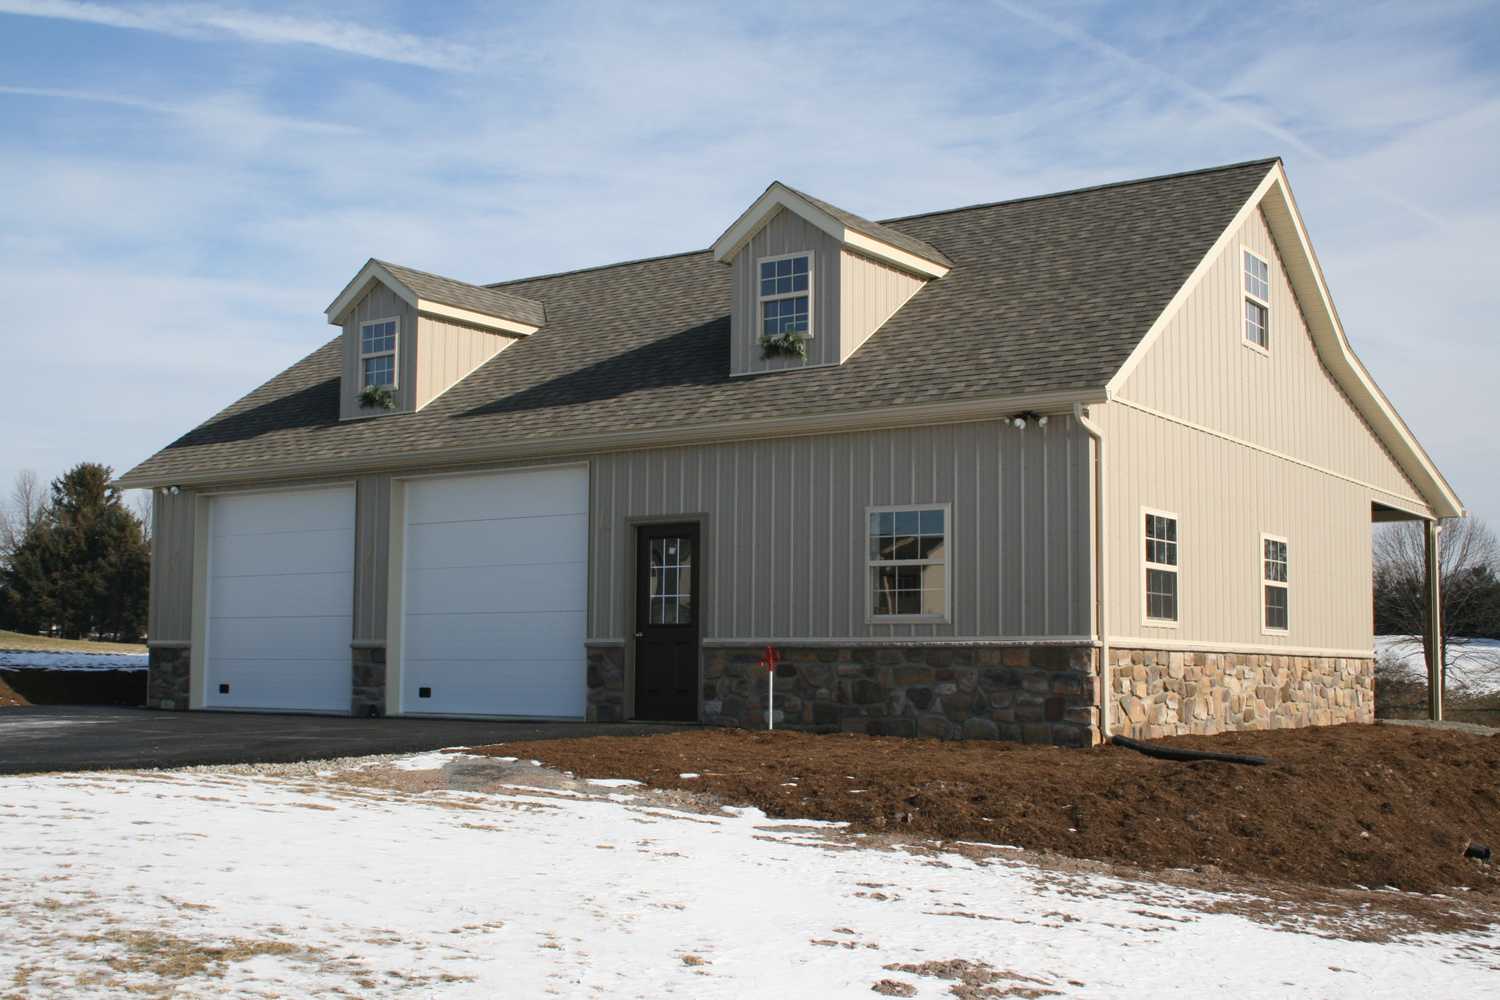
(75,561)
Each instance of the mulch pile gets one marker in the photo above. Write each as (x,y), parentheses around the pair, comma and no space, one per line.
(1337,806)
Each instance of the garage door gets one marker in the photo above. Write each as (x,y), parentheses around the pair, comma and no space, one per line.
(495,593)
(280,600)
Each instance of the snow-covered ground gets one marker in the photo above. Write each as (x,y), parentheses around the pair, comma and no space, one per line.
(36,660)
(1473,663)
(382,880)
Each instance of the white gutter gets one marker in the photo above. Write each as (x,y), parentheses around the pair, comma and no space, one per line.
(1106,692)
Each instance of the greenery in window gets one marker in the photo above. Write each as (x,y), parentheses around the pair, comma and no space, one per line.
(377,397)
(790,344)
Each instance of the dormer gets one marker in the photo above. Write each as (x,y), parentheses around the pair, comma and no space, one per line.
(415,335)
(808,273)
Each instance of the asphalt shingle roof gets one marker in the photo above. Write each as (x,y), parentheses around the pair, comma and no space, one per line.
(480,298)
(894,237)
(1045,294)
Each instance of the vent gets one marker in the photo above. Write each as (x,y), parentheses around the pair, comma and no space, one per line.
(223,688)
(424,692)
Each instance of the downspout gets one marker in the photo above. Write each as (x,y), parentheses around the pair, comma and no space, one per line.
(1106,693)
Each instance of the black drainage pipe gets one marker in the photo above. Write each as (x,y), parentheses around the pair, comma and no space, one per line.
(1178,753)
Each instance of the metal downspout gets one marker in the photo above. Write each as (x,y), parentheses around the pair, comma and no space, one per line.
(1106,722)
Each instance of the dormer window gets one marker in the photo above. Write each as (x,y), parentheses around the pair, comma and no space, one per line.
(785,294)
(377,352)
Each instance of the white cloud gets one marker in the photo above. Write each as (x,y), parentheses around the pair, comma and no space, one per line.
(227,111)
(210,22)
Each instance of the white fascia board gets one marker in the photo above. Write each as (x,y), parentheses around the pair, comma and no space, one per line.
(1273,196)
(509,326)
(372,271)
(779,195)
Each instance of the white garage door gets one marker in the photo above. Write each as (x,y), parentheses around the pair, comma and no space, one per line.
(280,600)
(495,594)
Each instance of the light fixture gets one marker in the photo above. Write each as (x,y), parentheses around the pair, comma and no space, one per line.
(174,490)
(1041,421)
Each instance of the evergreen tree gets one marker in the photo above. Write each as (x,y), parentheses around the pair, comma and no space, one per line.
(83,566)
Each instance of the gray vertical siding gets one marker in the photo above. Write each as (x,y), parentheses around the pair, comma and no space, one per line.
(379,303)
(785,528)
(785,233)
(170,618)
(784,532)
(372,507)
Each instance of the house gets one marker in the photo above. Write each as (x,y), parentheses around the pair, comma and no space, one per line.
(1046,469)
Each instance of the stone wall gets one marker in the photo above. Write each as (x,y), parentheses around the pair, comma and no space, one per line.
(368,695)
(169,677)
(1159,693)
(1035,694)
(606,683)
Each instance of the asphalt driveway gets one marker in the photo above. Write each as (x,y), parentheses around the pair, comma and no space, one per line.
(90,738)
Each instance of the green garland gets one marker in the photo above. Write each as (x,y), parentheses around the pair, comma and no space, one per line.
(784,345)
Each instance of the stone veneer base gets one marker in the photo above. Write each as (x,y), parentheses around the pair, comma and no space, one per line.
(606,683)
(1171,693)
(368,667)
(1034,694)
(169,677)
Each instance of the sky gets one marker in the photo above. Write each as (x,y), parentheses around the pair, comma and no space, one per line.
(185,187)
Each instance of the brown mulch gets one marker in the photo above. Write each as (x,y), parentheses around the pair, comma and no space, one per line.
(8,696)
(1338,805)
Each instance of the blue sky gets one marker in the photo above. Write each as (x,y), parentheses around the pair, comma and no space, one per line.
(186,186)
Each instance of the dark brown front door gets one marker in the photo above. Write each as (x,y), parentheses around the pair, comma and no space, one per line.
(666,622)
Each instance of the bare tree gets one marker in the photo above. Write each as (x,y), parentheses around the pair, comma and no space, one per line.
(1469,572)
(21,512)
(140,506)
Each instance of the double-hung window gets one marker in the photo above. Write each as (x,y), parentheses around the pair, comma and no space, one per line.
(1161,568)
(786,295)
(908,563)
(1257,302)
(1274,583)
(377,352)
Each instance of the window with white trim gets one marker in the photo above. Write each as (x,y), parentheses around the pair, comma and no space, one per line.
(377,352)
(1161,567)
(786,295)
(908,562)
(1274,583)
(1257,301)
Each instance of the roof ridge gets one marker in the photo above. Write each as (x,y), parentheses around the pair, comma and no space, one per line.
(1155,178)
(916,215)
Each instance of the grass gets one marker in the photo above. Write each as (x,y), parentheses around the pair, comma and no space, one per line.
(19,641)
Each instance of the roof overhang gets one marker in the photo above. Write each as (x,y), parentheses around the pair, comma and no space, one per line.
(374,271)
(1274,198)
(779,196)
(501,449)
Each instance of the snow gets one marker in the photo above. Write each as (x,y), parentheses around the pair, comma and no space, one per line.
(614,783)
(35,660)
(1472,663)
(117,881)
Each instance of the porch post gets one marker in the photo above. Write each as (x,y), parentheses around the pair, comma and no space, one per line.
(1434,638)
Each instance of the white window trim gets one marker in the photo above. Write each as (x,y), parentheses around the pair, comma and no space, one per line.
(394,352)
(1264,303)
(1260,590)
(1164,567)
(871,618)
(761,300)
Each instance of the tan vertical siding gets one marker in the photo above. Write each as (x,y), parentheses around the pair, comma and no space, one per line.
(446,351)
(372,520)
(785,528)
(170,617)
(1202,371)
(379,303)
(1226,495)
(869,294)
(786,232)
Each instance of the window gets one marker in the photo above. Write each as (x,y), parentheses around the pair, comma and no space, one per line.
(785,295)
(908,563)
(377,353)
(670,582)
(1273,573)
(1257,302)
(1161,568)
